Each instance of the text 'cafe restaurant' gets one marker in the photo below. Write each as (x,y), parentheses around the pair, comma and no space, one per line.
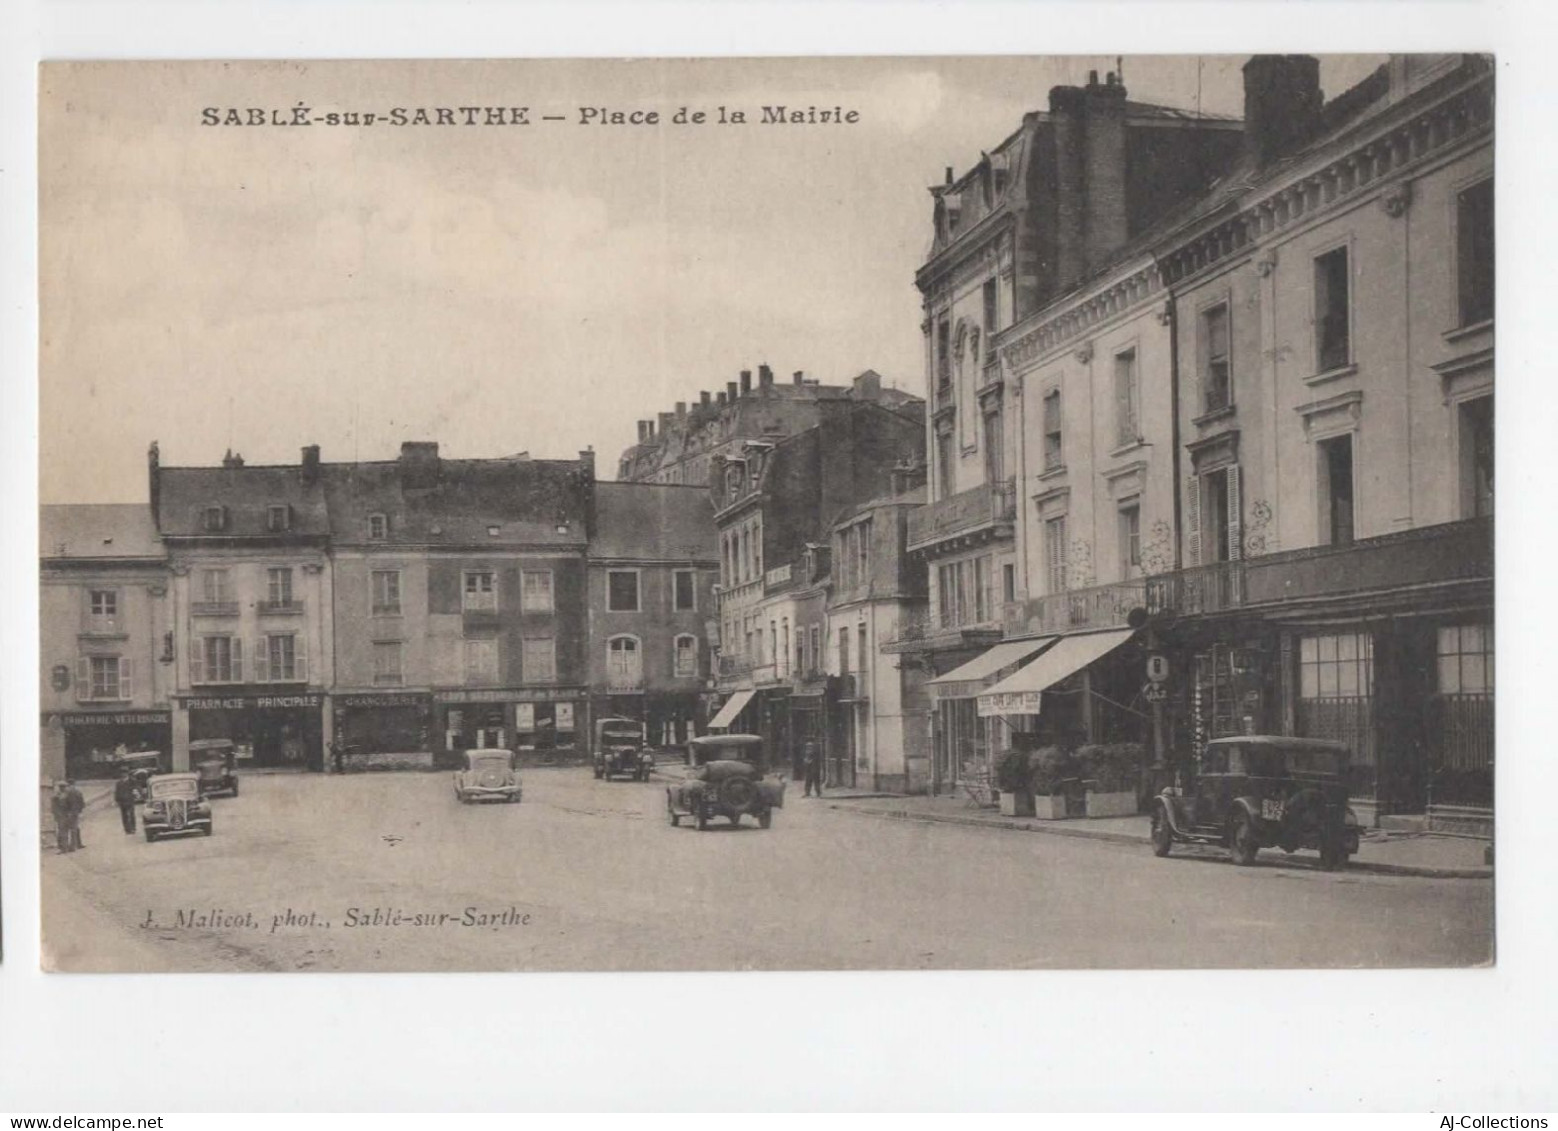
(1059,690)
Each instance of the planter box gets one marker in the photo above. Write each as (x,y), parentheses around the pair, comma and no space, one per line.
(1051,807)
(1016,804)
(1121,804)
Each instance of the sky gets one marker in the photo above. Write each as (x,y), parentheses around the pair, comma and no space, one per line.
(497,289)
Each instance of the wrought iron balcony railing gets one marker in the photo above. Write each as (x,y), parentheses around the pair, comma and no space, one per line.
(1100,606)
(986,505)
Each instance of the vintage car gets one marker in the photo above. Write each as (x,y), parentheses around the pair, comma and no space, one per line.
(174,807)
(620,749)
(212,759)
(144,765)
(726,778)
(488,775)
(1261,791)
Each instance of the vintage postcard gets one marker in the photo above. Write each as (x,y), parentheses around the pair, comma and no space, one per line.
(738,514)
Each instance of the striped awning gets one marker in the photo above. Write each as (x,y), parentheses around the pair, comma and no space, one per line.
(733,706)
(968,680)
(1018,693)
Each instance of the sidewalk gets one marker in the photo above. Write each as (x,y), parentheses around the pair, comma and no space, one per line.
(1440,857)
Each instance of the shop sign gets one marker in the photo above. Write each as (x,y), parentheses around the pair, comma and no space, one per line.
(1010,703)
(506,695)
(382,699)
(122,719)
(240,702)
(524,716)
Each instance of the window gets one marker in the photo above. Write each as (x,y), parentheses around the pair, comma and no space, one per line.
(683,591)
(944,461)
(386,592)
(104,677)
(481,661)
(279,585)
(814,648)
(215,519)
(1336,667)
(1333,331)
(800,650)
(686,657)
(387,662)
(103,605)
(538,659)
(982,610)
(1009,583)
(862,639)
(1055,553)
(1476,444)
(757,553)
(216,659)
(1466,659)
(481,591)
(1474,252)
(843,651)
(1216,372)
(278,517)
(1336,490)
(1054,453)
(1130,541)
(535,590)
(378,527)
(991,315)
(1216,510)
(995,459)
(624,664)
(1127,411)
(943,356)
(622,590)
(279,661)
(214,587)
(863,552)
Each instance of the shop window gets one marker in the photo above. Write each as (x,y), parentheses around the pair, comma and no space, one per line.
(216,659)
(386,592)
(1476,454)
(1336,667)
(378,527)
(481,591)
(686,657)
(1474,252)
(1054,447)
(622,590)
(624,664)
(103,609)
(1466,659)
(1216,371)
(1130,540)
(1333,311)
(103,677)
(535,590)
(1336,483)
(538,659)
(279,586)
(387,660)
(684,596)
(1127,399)
(481,661)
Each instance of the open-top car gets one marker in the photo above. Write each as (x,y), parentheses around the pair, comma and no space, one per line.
(174,807)
(213,760)
(620,749)
(726,777)
(1261,791)
(488,775)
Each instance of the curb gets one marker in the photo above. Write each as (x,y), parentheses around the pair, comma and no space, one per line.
(1424,872)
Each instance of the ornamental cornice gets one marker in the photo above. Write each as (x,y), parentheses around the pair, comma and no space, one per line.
(1100,306)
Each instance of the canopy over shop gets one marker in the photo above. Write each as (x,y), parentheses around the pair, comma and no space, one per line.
(1021,695)
(732,708)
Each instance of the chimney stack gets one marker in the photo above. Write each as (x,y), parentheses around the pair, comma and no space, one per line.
(1090,205)
(731,391)
(308,471)
(705,399)
(419,463)
(719,398)
(232,459)
(746,382)
(800,376)
(765,376)
(154,480)
(665,422)
(681,410)
(1282,103)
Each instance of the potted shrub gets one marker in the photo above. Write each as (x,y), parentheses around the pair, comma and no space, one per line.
(1011,778)
(1113,773)
(1050,770)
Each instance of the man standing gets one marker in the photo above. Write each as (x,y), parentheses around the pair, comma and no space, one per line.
(74,804)
(124,797)
(811,762)
(59,805)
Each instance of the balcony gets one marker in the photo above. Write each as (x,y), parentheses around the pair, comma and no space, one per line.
(281,608)
(1102,606)
(926,630)
(734,667)
(624,683)
(1437,557)
(213,608)
(985,511)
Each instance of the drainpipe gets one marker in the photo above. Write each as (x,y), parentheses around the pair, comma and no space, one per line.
(1171,306)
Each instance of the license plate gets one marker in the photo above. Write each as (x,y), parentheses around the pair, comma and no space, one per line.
(1271,810)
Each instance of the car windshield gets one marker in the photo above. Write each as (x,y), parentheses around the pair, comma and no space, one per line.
(166,789)
(1285,761)
(751,752)
(621,732)
(489,761)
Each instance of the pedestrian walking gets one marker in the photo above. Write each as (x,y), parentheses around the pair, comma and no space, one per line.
(59,805)
(74,804)
(811,762)
(124,797)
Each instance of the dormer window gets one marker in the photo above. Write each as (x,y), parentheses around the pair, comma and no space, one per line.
(215,519)
(378,527)
(278,517)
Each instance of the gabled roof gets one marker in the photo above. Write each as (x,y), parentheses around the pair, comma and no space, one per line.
(654,521)
(104,532)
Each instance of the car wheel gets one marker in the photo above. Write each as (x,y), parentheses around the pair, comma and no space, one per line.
(1242,845)
(1162,834)
(735,818)
(670,811)
(207,831)
(703,819)
(597,773)
(1333,854)
(765,819)
(150,836)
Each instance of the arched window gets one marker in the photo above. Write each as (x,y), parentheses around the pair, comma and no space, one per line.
(624,664)
(685,657)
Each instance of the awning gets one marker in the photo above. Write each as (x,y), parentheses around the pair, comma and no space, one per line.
(968,680)
(1018,694)
(727,714)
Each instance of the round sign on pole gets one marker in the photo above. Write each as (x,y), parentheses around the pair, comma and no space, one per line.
(1157,667)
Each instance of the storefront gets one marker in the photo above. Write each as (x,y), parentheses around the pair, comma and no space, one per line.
(94,741)
(273,731)
(378,723)
(549,721)
(963,737)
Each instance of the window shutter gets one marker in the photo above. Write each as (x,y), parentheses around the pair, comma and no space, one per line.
(84,677)
(1235,512)
(197,661)
(126,685)
(300,658)
(1193,521)
(237,659)
(262,672)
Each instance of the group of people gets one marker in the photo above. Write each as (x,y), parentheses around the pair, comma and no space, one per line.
(67,804)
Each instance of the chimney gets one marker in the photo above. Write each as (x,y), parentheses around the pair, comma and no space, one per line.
(154,481)
(705,399)
(731,391)
(1069,127)
(949,174)
(587,464)
(906,476)
(800,377)
(308,470)
(232,459)
(719,398)
(419,463)
(746,382)
(587,487)
(1104,175)
(1282,103)
(765,377)
(681,412)
(867,386)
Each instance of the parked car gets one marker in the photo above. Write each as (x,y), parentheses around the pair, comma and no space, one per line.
(620,749)
(1262,791)
(213,760)
(727,777)
(144,765)
(488,775)
(174,807)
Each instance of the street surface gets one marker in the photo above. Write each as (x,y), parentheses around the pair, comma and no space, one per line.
(306,872)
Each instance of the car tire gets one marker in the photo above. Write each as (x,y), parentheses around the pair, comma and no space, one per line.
(1242,845)
(670,811)
(703,819)
(207,830)
(597,773)
(150,836)
(1333,854)
(1162,833)
(765,819)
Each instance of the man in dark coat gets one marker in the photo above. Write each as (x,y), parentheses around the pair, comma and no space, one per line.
(811,762)
(59,805)
(124,797)
(74,804)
